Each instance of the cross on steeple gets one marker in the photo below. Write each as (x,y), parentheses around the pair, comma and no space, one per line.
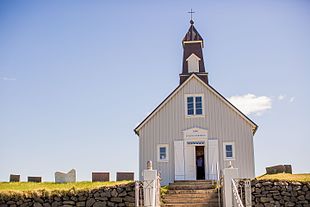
(191,12)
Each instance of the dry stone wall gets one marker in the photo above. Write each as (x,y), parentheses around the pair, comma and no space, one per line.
(266,193)
(122,195)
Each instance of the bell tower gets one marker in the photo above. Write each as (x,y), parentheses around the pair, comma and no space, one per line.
(192,55)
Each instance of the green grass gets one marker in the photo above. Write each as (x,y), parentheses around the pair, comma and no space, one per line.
(164,190)
(50,186)
(286,177)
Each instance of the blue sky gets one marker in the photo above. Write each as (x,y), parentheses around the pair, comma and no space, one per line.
(76,77)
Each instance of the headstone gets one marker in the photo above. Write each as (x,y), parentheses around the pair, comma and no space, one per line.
(69,177)
(14,178)
(288,169)
(125,176)
(34,179)
(100,176)
(279,169)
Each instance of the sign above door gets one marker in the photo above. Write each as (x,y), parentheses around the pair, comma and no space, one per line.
(195,133)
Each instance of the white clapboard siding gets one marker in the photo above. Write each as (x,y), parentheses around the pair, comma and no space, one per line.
(222,123)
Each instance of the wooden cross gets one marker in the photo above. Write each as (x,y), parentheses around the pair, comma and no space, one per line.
(191,12)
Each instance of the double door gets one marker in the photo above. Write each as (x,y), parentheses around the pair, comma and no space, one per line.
(195,159)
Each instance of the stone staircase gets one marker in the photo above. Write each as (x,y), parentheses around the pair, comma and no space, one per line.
(200,193)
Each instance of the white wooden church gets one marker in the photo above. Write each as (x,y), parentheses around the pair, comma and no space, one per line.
(196,132)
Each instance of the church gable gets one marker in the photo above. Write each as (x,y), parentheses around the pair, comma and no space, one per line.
(172,111)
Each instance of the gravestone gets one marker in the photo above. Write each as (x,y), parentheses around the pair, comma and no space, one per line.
(69,177)
(288,169)
(100,176)
(125,176)
(279,169)
(14,178)
(34,179)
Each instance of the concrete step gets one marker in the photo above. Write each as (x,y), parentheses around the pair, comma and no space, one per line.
(190,200)
(191,205)
(201,193)
(190,195)
(191,187)
(193,182)
(190,191)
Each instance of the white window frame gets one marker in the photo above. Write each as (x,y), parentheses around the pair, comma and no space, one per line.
(202,101)
(158,152)
(233,151)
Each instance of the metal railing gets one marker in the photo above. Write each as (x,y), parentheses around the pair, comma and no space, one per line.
(236,197)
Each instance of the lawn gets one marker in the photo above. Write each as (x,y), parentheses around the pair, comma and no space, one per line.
(50,186)
(286,177)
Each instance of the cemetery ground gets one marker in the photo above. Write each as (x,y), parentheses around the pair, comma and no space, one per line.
(305,177)
(51,186)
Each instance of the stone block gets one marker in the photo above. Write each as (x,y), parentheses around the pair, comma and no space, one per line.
(14,178)
(288,169)
(69,177)
(275,169)
(125,176)
(100,176)
(34,179)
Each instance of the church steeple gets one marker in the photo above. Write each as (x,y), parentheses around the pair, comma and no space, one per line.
(192,55)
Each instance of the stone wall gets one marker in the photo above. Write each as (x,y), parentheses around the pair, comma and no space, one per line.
(280,193)
(122,195)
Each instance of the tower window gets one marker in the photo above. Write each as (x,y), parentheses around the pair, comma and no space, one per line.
(193,63)
(194,105)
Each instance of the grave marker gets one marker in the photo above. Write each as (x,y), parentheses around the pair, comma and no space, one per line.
(14,178)
(34,179)
(125,176)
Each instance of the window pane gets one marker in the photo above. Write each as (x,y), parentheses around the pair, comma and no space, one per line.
(190,105)
(198,111)
(229,151)
(198,104)
(162,150)
(162,153)
(198,99)
(190,99)
(190,112)
(229,154)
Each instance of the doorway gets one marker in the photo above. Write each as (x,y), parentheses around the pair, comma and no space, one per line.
(200,162)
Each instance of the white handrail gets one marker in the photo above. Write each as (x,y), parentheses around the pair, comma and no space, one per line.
(236,196)
(218,183)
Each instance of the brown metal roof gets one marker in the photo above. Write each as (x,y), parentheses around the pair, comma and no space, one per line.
(192,34)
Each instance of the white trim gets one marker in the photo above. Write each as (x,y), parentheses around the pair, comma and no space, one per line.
(193,63)
(199,73)
(202,101)
(195,56)
(194,41)
(158,152)
(233,151)
(206,85)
